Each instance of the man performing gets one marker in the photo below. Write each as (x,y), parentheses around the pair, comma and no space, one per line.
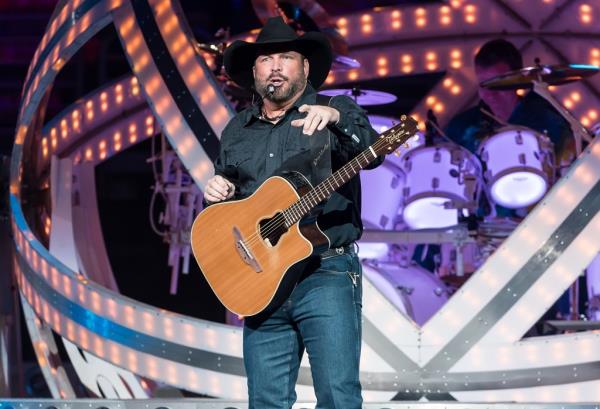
(323,313)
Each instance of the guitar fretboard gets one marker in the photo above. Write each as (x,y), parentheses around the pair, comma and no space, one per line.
(324,189)
(386,143)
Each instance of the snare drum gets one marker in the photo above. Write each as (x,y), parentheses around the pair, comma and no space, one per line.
(435,185)
(382,189)
(517,161)
(416,292)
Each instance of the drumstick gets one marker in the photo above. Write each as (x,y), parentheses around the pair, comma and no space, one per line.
(494,117)
(439,131)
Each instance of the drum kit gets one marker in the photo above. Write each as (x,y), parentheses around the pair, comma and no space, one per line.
(434,188)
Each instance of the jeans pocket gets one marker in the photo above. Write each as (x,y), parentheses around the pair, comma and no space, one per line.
(355,271)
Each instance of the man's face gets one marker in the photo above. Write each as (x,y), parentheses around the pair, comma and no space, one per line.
(286,71)
(496,100)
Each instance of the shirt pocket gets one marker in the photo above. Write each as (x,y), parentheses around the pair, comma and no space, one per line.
(237,167)
(239,154)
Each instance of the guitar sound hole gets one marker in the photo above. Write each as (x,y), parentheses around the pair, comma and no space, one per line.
(272,229)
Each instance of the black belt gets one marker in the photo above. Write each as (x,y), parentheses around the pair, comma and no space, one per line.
(337,251)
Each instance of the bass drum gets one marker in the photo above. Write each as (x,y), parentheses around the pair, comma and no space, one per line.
(415,291)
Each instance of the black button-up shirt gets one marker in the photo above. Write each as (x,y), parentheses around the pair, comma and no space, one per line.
(252,149)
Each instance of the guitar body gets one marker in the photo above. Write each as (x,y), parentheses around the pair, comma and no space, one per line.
(253,251)
(251,260)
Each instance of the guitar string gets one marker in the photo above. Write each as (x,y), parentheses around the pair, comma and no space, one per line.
(274,224)
(299,207)
(321,188)
(295,211)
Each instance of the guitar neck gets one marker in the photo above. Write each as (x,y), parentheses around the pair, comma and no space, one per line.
(324,189)
(387,142)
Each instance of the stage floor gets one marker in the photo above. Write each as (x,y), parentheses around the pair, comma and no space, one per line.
(186,403)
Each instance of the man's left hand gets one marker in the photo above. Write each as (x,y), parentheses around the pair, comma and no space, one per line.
(317,117)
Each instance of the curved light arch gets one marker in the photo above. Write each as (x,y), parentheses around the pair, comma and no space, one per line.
(107,325)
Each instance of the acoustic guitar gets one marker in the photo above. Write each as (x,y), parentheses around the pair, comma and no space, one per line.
(253,251)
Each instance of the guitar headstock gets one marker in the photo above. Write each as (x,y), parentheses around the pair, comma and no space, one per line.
(397,135)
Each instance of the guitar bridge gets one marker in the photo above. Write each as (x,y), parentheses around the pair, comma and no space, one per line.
(244,252)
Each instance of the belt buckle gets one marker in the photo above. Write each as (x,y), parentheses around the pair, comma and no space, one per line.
(339,250)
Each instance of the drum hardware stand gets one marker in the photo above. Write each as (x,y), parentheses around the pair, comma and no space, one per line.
(593,307)
(454,234)
(356,92)
(574,300)
(459,241)
(458,235)
(182,202)
(579,133)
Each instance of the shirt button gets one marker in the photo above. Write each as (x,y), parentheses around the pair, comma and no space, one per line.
(271,155)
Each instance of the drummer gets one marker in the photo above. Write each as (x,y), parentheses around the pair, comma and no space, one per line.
(470,127)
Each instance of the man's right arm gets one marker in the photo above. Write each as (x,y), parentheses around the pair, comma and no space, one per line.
(218,188)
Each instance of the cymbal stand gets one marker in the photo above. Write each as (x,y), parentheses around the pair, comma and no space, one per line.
(579,131)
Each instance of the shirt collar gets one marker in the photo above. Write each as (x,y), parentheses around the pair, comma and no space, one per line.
(307,97)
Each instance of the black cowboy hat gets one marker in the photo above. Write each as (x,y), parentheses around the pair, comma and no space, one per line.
(276,36)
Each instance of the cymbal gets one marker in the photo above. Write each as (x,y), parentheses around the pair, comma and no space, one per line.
(343,63)
(549,74)
(362,97)
(382,123)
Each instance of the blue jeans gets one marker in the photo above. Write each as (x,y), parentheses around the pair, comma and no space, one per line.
(323,315)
